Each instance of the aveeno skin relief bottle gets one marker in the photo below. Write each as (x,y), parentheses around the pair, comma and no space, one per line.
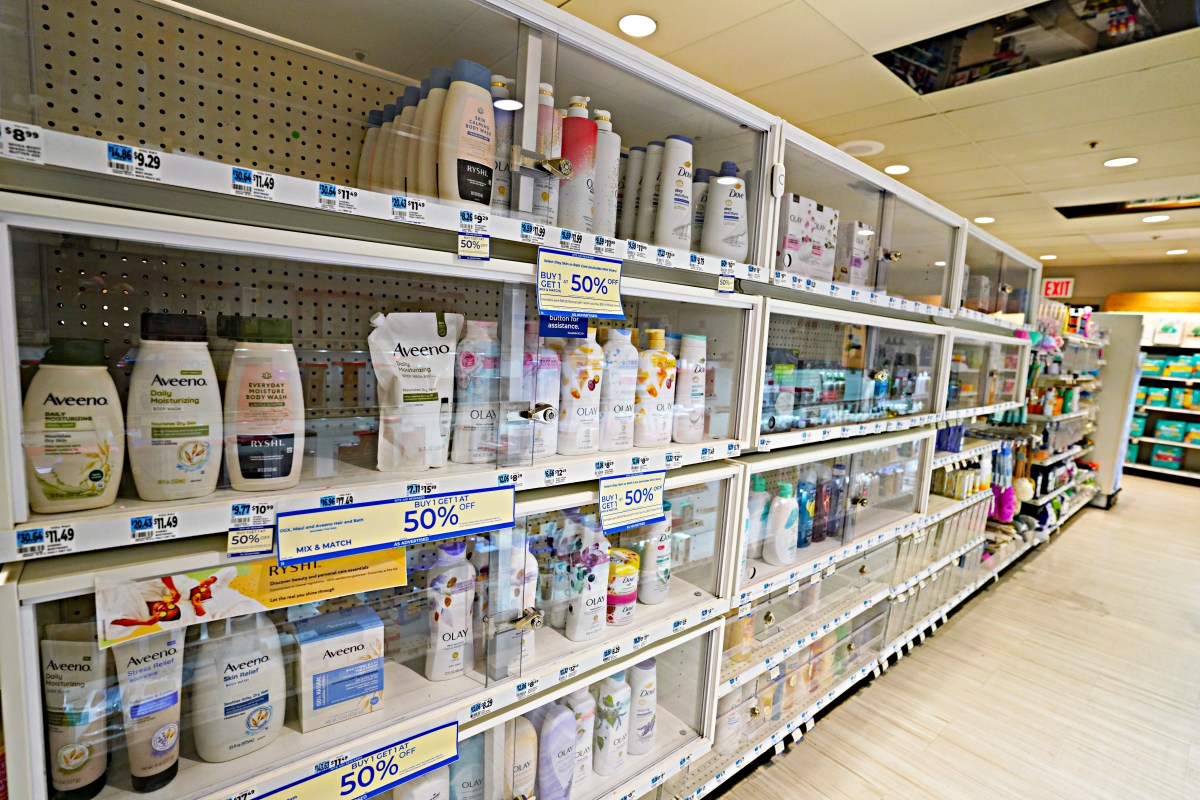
(174,412)
(74,432)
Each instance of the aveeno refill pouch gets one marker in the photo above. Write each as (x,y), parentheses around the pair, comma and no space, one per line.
(339,666)
(413,356)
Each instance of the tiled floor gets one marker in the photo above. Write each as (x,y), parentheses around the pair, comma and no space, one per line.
(1077,676)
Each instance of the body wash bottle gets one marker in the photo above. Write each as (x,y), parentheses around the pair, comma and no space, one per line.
(726,222)
(74,432)
(758,506)
(633,186)
(654,583)
(173,419)
(700,186)
(431,132)
(150,676)
(779,548)
(413,156)
(387,122)
(75,685)
(386,163)
(618,391)
(264,405)
(690,386)
(577,196)
(579,408)
(476,394)
(367,152)
(466,774)
(612,725)
(467,144)
(648,193)
(404,136)
(501,177)
(655,396)
(588,605)
(451,594)
(583,707)
(643,716)
(556,753)
(673,221)
(608,176)
(520,758)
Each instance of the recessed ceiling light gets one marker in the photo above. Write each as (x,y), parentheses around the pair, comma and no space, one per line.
(1177,252)
(508,104)
(985,220)
(1156,218)
(896,169)
(1047,258)
(939,263)
(861,147)
(1123,161)
(637,25)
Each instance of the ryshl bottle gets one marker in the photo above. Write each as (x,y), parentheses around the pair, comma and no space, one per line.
(467,145)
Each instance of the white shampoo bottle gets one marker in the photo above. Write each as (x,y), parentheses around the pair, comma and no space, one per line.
(633,185)
(648,193)
(608,176)
(726,222)
(673,221)
(700,186)
(690,387)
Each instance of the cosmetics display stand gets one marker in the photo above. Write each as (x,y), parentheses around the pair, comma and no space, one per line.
(217,167)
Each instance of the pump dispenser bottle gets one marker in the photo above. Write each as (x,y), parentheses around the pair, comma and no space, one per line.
(633,186)
(545,206)
(577,196)
(655,397)
(648,194)
(618,391)
(476,394)
(690,386)
(608,175)
(502,177)
(451,595)
(579,409)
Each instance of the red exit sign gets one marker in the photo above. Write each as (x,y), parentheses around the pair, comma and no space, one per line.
(1058,288)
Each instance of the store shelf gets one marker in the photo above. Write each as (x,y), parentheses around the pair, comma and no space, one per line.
(676,746)
(929,622)
(1072,452)
(1083,412)
(817,560)
(972,448)
(1041,500)
(136,522)
(1068,380)
(900,588)
(1181,473)
(780,647)
(778,441)
(1151,440)
(1085,451)
(1075,338)
(980,411)
(941,507)
(988,319)
(1187,381)
(801,289)
(1143,409)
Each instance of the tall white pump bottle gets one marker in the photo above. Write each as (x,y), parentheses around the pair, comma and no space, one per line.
(633,186)
(726,227)
(502,177)
(618,391)
(608,175)
(648,193)
(673,222)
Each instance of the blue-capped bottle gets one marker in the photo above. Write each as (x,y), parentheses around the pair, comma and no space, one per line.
(468,137)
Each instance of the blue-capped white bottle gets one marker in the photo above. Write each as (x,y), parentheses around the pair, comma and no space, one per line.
(779,548)
(673,221)
(726,227)
(700,186)
(468,137)
(385,130)
(404,136)
(367,152)
(431,132)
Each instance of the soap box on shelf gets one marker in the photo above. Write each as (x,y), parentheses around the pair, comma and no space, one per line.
(1157,396)
(1167,456)
(1170,429)
(979,294)
(852,259)
(339,666)
(1137,427)
(1193,433)
(1153,367)
(1178,368)
(808,234)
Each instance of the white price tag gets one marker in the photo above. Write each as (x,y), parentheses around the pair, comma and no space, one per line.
(571,240)
(639,251)
(474,222)
(153,527)
(673,459)
(532,233)
(756,273)
(134,162)
(708,453)
(665,256)
(697,262)
(22,142)
(54,540)
(252,183)
(331,197)
(606,246)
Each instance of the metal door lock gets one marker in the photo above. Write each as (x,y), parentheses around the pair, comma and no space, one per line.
(889,255)
(541,412)
(531,163)
(531,619)
(769,618)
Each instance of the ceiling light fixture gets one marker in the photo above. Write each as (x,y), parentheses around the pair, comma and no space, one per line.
(860,148)
(939,263)
(985,220)
(1123,161)
(1177,252)
(1156,218)
(508,104)
(637,25)
(1047,258)
(896,169)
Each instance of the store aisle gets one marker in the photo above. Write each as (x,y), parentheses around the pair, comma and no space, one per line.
(1077,676)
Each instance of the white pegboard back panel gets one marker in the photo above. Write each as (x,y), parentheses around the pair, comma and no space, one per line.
(146,75)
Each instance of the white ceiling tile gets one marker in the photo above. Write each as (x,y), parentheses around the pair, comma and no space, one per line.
(912,136)
(786,41)
(885,114)
(989,178)
(880,25)
(679,24)
(1126,190)
(836,89)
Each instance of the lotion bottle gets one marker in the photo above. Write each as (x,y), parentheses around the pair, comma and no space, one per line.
(264,406)
(468,138)
(173,419)
(588,605)
(404,136)
(577,196)
(633,186)
(648,193)
(502,177)
(556,753)
(726,222)
(367,152)
(608,175)
(779,548)
(700,186)
(757,507)
(612,725)
(690,387)
(75,685)
(583,707)
(673,220)
(618,391)
(643,716)
(431,132)
(579,408)
(520,758)
(413,156)
(466,774)
(451,595)
(378,164)
(74,432)
(387,153)
(655,396)
(476,394)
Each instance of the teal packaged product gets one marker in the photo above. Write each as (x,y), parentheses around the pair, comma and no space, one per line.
(1141,395)
(1180,367)
(1157,396)
(1171,430)
(1167,456)
(1178,395)
(1153,367)
(1193,433)
(1131,453)
(1138,426)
